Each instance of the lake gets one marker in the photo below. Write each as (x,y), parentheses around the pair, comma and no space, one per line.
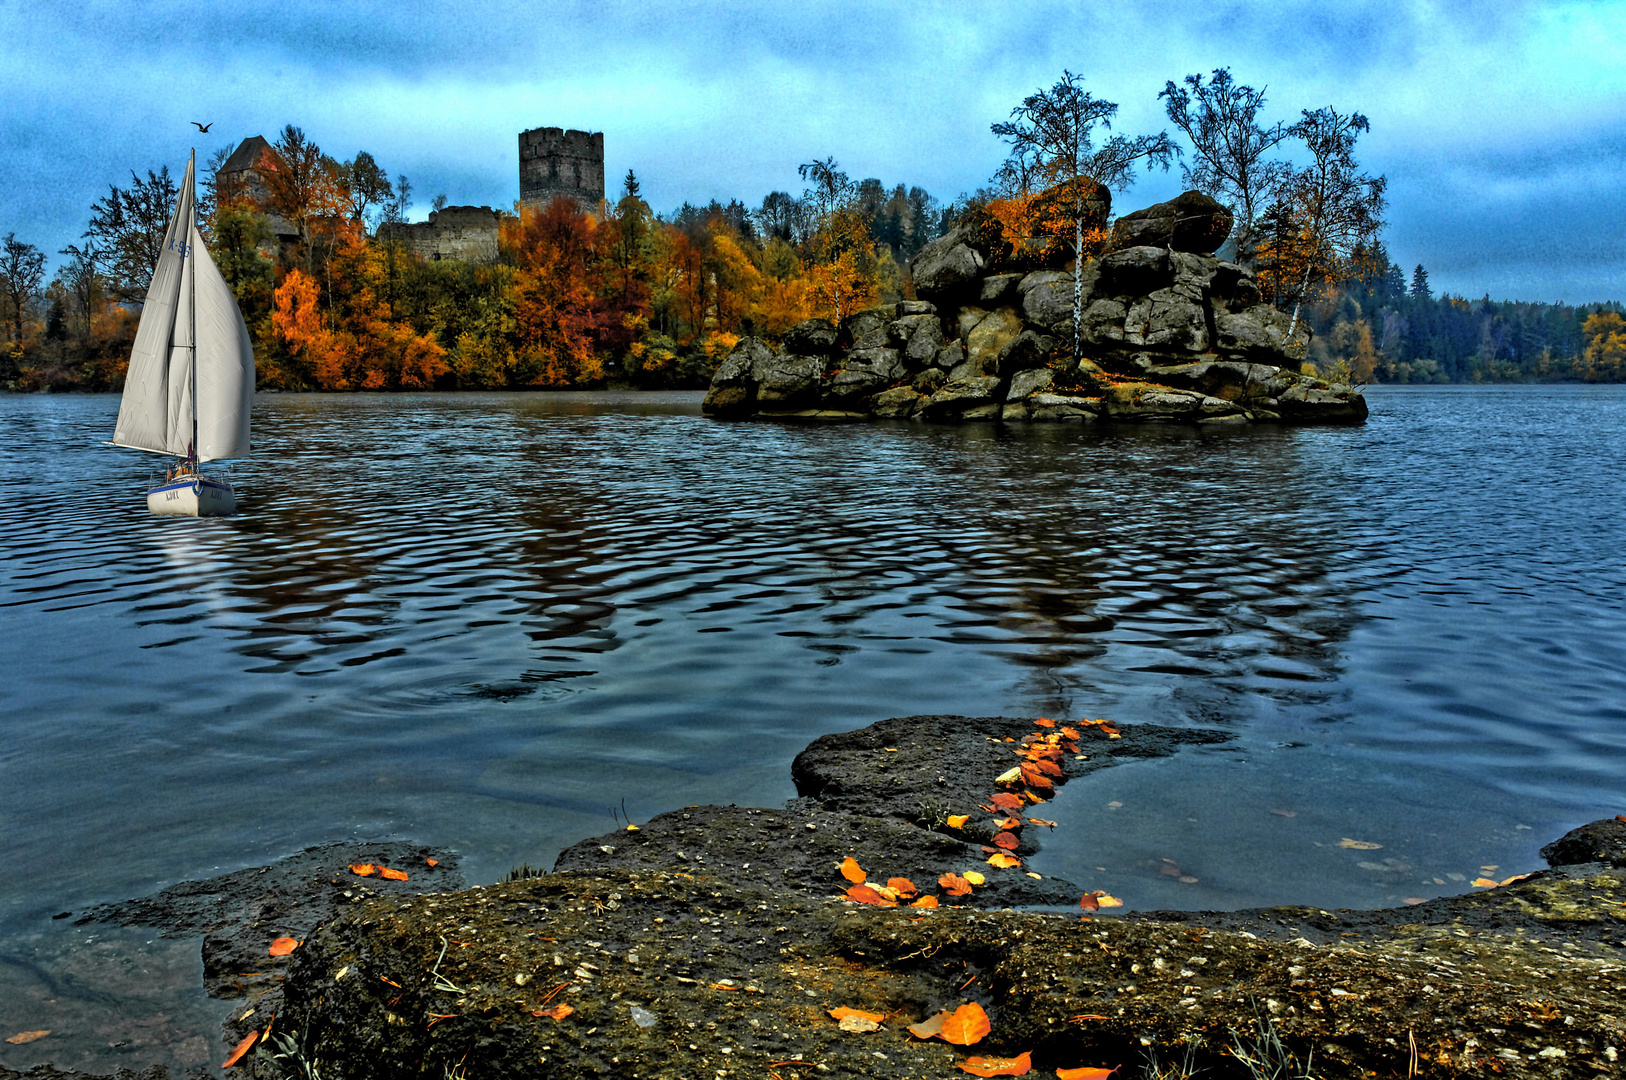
(491,622)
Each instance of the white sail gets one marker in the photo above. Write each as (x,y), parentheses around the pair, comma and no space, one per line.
(225,366)
(145,415)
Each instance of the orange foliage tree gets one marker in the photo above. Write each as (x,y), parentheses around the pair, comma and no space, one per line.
(556,311)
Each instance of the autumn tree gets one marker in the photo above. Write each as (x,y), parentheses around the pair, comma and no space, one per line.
(841,248)
(555,310)
(128,228)
(22,272)
(304,184)
(1605,356)
(1055,167)
(1221,118)
(1329,209)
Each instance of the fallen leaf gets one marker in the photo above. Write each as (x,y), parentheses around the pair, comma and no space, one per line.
(1006,801)
(966,1025)
(1086,1073)
(1042,722)
(925,901)
(866,894)
(632,828)
(1492,866)
(851,871)
(974,877)
(843,1012)
(1089,903)
(857,1024)
(1620,817)
(29,1036)
(930,1027)
(1414,900)
(902,886)
(1008,823)
(1041,821)
(1069,732)
(1032,798)
(1115,805)
(1048,767)
(981,1066)
(954,884)
(436,862)
(1009,776)
(393,875)
(1518,877)
(1358,845)
(365,869)
(237,1051)
(1035,778)
(1107,901)
(558,1012)
(1003,860)
(1035,877)
(956,821)
(1007,840)
(1485,882)
(283,946)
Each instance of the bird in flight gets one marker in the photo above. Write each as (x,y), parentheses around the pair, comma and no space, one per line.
(202,127)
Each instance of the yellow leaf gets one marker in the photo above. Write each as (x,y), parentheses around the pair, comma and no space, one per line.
(1010,776)
(29,1036)
(974,877)
(956,821)
(1108,901)
(1003,860)
(1485,882)
(1358,845)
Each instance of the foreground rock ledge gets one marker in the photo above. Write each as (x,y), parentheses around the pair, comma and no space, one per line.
(714,946)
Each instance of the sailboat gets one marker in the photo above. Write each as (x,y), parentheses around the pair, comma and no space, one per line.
(191,380)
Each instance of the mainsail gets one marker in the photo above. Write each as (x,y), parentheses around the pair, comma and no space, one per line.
(191,376)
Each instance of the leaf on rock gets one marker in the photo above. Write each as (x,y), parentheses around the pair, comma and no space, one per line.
(956,821)
(1485,882)
(1035,778)
(1358,845)
(1003,860)
(1041,821)
(1042,722)
(866,894)
(1006,801)
(365,869)
(393,875)
(843,1012)
(1007,840)
(902,886)
(432,862)
(974,877)
(925,902)
(1069,732)
(858,1024)
(558,1012)
(1108,901)
(237,1051)
(992,1066)
(29,1036)
(1048,767)
(954,884)
(851,870)
(1007,823)
(283,946)
(1086,1073)
(966,1025)
(929,1028)
(1009,776)
(1089,903)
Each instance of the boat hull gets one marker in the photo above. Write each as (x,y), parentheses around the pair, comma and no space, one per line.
(192,496)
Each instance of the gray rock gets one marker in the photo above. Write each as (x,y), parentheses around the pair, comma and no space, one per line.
(997,288)
(849,383)
(1174,324)
(930,381)
(1056,408)
(1047,300)
(916,307)
(1134,271)
(990,411)
(815,337)
(988,339)
(787,381)
(730,401)
(967,319)
(958,395)
(950,356)
(947,267)
(925,343)
(881,363)
(898,403)
(737,367)
(1321,404)
(1235,286)
(867,329)
(1191,221)
(1025,350)
(1601,841)
(1103,322)
(1028,382)
(1229,380)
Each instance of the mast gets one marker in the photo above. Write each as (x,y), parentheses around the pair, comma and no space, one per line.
(191,165)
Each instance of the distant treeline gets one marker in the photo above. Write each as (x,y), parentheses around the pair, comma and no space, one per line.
(1392,329)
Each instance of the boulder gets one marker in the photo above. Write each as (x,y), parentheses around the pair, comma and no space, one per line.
(1600,841)
(930,381)
(730,401)
(950,356)
(1228,380)
(815,337)
(1024,383)
(1047,301)
(1315,402)
(898,403)
(948,267)
(866,329)
(787,381)
(1189,222)
(987,340)
(959,395)
(1134,271)
(919,336)
(1055,408)
(916,307)
(997,289)
(1025,350)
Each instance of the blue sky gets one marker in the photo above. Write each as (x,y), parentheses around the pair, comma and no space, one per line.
(1501,128)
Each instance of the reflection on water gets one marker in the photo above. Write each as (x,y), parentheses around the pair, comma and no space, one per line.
(482,621)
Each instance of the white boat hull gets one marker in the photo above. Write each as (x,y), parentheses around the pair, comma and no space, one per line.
(192,496)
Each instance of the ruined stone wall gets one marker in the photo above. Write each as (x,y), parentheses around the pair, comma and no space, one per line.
(555,162)
(456,232)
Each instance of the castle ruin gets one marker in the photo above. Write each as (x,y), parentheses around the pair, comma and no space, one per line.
(555,162)
(467,233)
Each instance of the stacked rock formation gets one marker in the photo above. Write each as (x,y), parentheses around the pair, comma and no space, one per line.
(1168,332)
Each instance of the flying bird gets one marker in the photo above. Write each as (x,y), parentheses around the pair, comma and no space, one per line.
(202,127)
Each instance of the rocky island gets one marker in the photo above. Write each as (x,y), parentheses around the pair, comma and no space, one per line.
(1168,333)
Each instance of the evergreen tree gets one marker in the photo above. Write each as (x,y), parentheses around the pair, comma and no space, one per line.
(1419,284)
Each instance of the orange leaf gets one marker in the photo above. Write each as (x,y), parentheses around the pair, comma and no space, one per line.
(1041,821)
(925,901)
(1006,801)
(558,1012)
(954,884)
(844,1012)
(865,894)
(1048,767)
(283,946)
(1003,861)
(1485,882)
(967,1025)
(1086,1073)
(240,1049)
(29,1036)
(1007,823)
(902,886)
(432,862)
(930,1027)
(1089,903)
(363,869)
(1108,901)
(981,1066)
(1069,733)
(1042,722)
(955,821)
(393,875)
(1007,840)
(851,871)
(1034,778)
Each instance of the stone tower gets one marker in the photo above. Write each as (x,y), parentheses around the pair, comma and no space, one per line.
(555,162)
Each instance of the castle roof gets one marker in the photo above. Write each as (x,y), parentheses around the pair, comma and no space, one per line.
(247,154)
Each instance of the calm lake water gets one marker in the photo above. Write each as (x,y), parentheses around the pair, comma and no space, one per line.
(484,621)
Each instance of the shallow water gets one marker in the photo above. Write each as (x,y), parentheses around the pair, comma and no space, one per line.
(484,621)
